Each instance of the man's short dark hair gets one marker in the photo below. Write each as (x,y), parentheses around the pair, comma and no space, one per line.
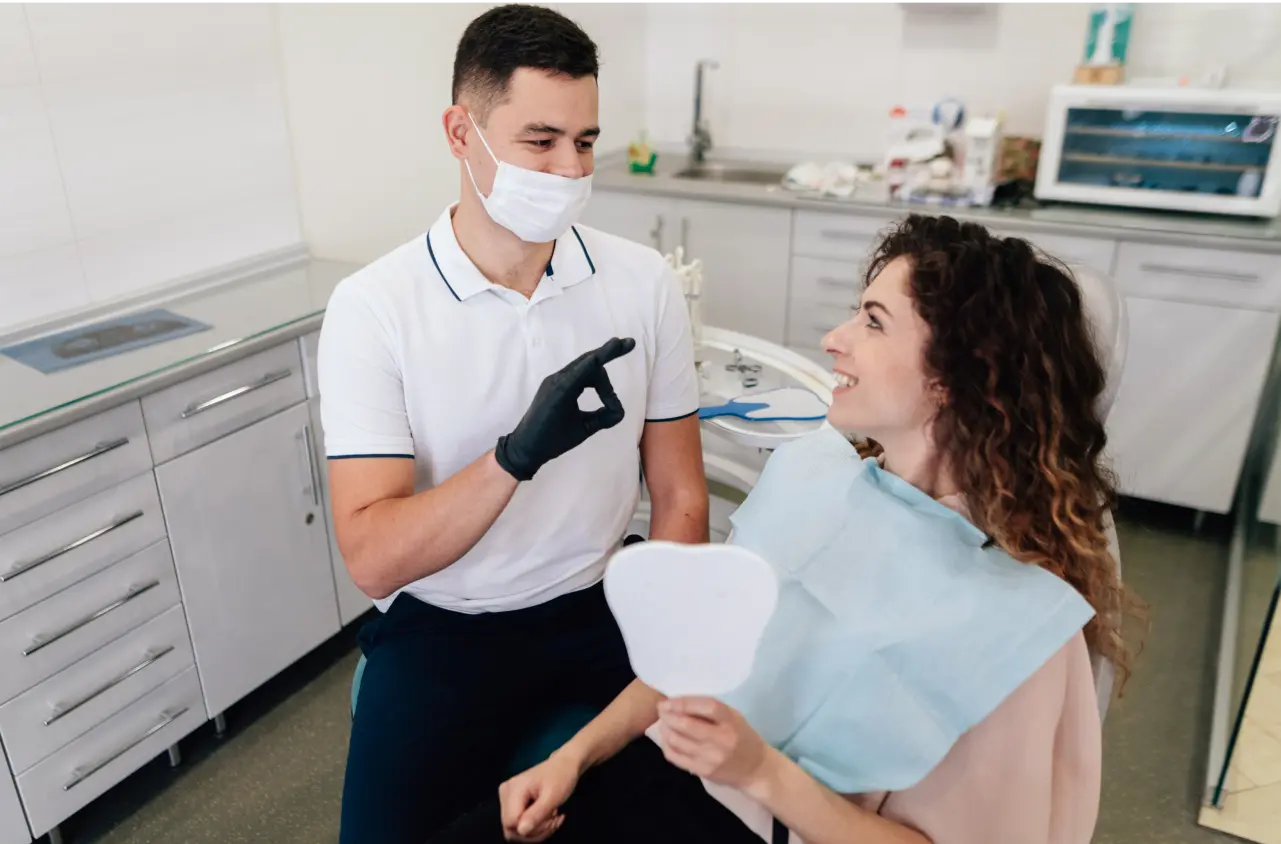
(506,38)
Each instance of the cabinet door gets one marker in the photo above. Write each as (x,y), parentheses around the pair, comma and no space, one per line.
(1192,382)
(13,826)
(745,252)
(351,601)
(650,220)
(252,554)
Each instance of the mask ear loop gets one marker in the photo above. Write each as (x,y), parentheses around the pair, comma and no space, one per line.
(467,163)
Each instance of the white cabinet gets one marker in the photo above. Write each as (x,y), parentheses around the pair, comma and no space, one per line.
(744,250)
(1193,379)
(13,826)
(636,216)
(251,551)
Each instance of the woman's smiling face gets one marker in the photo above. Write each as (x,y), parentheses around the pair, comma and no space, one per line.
(883,390)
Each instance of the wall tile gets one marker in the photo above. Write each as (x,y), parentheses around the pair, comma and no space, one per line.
(17,62)
(147,148)
(163,251)
(114,39)
(35,285)
(33,207)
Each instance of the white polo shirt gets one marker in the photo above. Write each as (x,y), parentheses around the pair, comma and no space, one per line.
(422,358)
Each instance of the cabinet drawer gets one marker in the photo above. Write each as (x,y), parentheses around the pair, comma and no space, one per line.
(68,704)
(66,782)
(45,556)
(838,283)
(809,321)
(188,415)
(41,641)
(820,235)
(1209,276)
(1095,253)
(13,824)
(48,472)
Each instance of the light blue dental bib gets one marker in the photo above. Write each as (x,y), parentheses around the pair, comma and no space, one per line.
(896,630)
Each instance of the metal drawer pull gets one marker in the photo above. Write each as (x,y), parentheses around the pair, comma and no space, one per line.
(843,283)
(84,540)
(79,775)
(98,450)
(312,470)
(1190,272)
(836,234)
(268,379)
(61,710)
(43,640)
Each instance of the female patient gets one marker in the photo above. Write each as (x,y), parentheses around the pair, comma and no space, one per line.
(969,369)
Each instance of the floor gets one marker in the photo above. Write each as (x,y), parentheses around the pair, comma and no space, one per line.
(1252,806)
(277,775)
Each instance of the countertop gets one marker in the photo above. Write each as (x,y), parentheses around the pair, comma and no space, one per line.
(259,310)
(1244,234)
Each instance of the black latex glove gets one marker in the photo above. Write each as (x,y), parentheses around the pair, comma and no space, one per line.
(553,424)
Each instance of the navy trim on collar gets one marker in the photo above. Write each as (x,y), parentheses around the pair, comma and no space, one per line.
(549,271)
(586,254)
(432,253)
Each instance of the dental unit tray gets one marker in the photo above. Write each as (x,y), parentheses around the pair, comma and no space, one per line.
(787,404)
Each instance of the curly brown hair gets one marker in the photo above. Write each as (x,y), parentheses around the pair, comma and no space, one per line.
(1011,347)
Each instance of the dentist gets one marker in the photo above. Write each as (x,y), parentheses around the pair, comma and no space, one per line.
(491,393)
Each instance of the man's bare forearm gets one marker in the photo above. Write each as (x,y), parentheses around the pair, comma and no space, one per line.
(679,517)
(621,723)
(395,541)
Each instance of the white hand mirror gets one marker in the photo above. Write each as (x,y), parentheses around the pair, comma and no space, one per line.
(692,616)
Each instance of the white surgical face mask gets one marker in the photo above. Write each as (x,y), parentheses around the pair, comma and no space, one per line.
(536,207)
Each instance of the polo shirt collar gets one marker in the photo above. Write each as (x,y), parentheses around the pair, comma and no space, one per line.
(570,262)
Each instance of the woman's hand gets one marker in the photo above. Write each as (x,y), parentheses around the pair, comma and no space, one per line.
(531,801)
(709,739)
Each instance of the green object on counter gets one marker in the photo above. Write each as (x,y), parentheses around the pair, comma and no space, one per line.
(640,156)
(1108,38)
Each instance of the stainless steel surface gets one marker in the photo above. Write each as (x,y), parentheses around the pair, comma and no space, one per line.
(55,836)
(312,470)
(61,710)
(175,756)
(71,546)
(82,774)
(269,378)
(220,723)
(741,173)
(44,640)
(97,451)
(700,139)
(1193,272)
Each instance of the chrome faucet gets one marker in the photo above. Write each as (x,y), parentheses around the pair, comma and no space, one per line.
(700,140)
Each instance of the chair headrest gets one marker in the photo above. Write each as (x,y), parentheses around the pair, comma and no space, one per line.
(1109,325)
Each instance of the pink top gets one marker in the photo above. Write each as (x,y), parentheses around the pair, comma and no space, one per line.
(1029,773)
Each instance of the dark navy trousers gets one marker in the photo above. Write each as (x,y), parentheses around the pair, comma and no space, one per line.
(446,698)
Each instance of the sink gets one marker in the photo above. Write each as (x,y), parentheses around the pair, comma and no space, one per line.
(741,173)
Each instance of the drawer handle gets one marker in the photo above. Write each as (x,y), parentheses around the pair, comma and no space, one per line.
(266,380)
(312,471)
(1162,269)
(837,234)
(98,451)
(60,710)
(53,555)
(79,775)
(44,640)
(843,283)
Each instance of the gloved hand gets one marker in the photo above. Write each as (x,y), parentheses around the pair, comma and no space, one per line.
(553,424)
